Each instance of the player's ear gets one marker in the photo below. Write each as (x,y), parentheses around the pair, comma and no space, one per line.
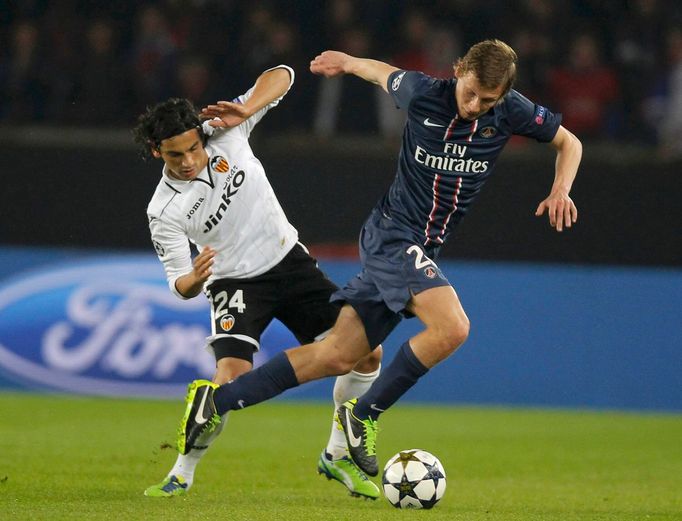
(156,153)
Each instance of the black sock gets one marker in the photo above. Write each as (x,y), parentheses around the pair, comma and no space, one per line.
(394,381)
(270,379)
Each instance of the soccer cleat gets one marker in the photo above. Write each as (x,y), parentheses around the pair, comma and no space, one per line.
(361,436)
(169,487)
(200,414)
(346,472)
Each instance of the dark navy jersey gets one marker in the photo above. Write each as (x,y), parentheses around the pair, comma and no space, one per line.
(444,160)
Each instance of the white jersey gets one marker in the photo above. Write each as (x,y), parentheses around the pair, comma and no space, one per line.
(230,206)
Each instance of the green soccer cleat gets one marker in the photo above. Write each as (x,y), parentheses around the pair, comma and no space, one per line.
(346,472)
(169,487)
(361,436)
(200,414)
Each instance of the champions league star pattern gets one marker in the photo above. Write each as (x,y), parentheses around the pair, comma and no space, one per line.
(444,160)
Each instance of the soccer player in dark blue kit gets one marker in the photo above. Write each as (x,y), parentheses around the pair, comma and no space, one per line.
(456,129)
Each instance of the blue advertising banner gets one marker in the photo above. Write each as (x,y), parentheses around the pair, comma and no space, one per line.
(541,334)
(107,326)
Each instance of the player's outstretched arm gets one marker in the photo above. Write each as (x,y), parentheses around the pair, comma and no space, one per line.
(560,207)
(190,284)
(269,86)
(335,63)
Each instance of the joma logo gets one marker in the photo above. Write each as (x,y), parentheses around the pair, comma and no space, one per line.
(195,208)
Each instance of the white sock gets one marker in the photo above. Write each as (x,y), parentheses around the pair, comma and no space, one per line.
(185,464)
(347,386)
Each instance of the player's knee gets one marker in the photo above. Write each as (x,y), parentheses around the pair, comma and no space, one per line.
(369,363)
(339,365)
(452,335)
(458,332)
(465,327)
(334,361)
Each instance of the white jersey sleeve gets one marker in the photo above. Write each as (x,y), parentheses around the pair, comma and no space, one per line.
(172,246)
(247,126)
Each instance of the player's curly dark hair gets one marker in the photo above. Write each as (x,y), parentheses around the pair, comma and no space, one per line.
(164,120)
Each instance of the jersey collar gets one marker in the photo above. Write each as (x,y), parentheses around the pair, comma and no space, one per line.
(205,176)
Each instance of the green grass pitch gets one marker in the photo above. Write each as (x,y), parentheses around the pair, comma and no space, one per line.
(89,458)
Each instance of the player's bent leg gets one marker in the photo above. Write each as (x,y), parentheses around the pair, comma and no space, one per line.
(336,354)
(447,325)
(348,474)
(446,329)
(181,476)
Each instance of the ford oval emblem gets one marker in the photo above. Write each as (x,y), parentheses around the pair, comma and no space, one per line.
(107,327)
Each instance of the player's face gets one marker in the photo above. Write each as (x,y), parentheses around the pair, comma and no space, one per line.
(473,100)
(184,155)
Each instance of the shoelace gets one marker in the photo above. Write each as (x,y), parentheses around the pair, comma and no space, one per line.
(371,430)
(173,483)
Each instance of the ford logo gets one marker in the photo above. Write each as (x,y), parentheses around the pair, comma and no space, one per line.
(106,327)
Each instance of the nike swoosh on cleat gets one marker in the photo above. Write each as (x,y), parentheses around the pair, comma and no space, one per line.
(241,404)
(199,417)
(352,439)
(429,124)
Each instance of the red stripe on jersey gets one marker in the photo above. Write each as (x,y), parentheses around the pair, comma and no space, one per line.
(432,215)
(474,126)
(451,128)
(455,200)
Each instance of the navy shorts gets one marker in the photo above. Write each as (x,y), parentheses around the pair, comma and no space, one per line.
(394,268)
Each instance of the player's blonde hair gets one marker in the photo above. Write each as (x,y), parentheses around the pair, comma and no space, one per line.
(493,62)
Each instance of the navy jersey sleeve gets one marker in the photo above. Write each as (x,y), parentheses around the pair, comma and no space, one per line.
(404,86)
(530,119)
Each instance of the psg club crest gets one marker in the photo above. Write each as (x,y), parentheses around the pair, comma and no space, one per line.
(219,164)
(430,272)
(487,132)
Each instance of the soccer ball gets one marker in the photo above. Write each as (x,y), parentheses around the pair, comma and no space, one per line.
(413,479)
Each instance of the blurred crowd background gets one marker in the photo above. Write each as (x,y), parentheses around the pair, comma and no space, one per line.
(612,67)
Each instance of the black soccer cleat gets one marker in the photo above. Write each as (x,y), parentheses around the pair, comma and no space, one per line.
(361,437)
(200,414)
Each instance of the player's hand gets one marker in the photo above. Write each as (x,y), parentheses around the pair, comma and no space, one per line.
(560,209)
(203,264)
(330,64)
(230,114)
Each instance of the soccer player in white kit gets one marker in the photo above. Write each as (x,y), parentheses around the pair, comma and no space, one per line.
(214,193)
